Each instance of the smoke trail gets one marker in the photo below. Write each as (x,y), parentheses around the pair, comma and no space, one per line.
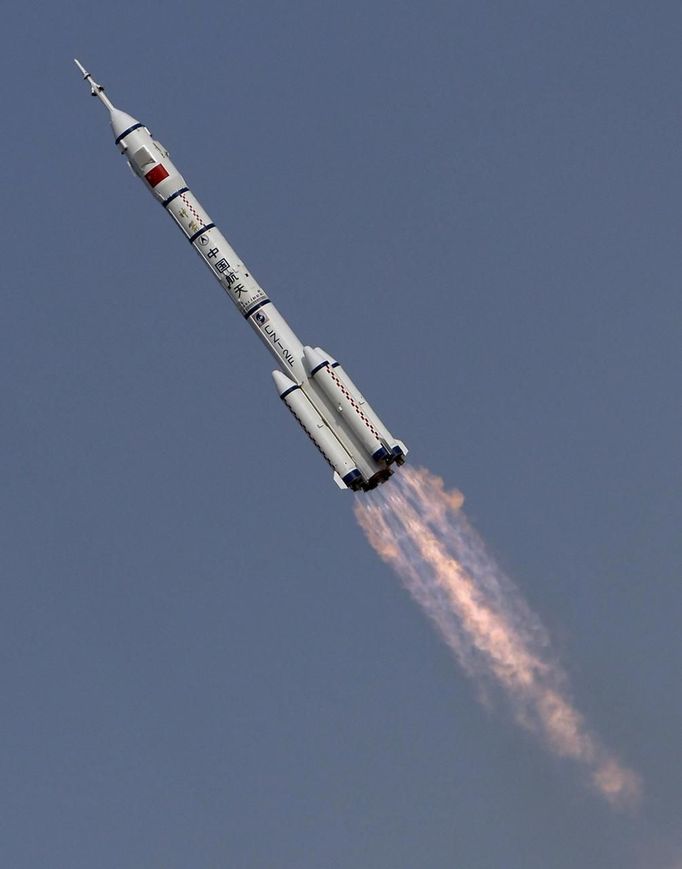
(419,529)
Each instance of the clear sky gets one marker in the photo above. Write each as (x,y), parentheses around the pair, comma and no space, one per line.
(476,206)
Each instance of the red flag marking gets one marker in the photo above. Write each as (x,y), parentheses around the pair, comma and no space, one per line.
(156,175)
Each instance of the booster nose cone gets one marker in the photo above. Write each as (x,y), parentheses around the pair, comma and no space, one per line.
(313,360)
(283,384)
(328,357)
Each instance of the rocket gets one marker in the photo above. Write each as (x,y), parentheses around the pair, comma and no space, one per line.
(329,407)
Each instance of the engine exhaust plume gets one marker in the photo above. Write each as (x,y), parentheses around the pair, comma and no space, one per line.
(418,527)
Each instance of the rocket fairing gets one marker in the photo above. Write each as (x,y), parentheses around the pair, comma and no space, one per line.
(329,407)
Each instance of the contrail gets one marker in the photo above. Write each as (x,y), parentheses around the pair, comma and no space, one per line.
(418,527)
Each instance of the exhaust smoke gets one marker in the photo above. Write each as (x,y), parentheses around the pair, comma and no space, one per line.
(418,527)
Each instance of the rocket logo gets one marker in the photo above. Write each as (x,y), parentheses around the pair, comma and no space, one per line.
(260,318)
(156,175)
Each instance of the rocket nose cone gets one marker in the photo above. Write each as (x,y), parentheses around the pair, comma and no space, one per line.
(121,122)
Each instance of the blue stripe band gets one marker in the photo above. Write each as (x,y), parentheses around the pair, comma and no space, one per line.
(173,196)
(351,476)
(290,389)
(201,231)
(256,307)
(335,364)
(126,132)
(317,367)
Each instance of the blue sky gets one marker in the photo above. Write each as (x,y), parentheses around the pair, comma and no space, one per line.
(476,207)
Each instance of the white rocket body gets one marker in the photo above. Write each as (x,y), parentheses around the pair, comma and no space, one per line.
(352,438)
